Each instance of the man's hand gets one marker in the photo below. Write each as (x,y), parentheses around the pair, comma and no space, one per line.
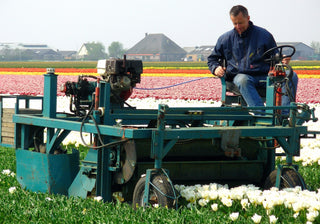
(219,71)
(286,61)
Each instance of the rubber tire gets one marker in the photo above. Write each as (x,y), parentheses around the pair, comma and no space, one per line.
(156,197)
(289,179)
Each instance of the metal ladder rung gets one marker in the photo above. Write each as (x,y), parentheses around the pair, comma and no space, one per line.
(92,167)
(86,161)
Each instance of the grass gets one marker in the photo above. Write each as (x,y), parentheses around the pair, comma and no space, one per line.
(24,206)
(311,175)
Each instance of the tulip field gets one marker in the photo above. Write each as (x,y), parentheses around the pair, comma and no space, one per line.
(188,83)
(176,84)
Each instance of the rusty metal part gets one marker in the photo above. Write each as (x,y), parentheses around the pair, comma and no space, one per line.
(128,161)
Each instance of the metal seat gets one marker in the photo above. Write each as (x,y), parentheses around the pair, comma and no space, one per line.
(231,93)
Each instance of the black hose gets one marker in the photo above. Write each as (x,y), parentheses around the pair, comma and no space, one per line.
(108,145)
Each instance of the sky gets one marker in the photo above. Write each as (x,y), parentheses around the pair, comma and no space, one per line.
(67,24)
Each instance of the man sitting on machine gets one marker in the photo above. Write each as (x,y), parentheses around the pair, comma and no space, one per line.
(242,49)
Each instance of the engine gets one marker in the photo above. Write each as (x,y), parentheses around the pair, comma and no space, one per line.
(121,74)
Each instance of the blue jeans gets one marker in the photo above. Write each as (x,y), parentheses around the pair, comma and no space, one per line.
(248,86)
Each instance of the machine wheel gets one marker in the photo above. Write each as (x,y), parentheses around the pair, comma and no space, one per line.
(289,179)
(162,194)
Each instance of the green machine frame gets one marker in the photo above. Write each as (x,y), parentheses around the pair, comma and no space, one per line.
(157,140)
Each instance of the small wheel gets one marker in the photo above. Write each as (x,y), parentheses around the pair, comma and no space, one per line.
(160,195)
(289,179)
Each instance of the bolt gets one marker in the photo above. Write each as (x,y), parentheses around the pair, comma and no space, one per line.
(50,70)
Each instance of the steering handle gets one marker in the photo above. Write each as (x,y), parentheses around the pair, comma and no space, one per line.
(278,57)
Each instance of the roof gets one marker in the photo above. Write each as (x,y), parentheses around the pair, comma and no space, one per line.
(295,44)
(209,48)
(22,46)
(289,43)
(43,51)
(89,45)
(202,49)
(67,53)
(189,49)
(156,44)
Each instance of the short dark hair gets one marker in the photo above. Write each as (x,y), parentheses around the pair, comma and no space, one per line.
(235,10)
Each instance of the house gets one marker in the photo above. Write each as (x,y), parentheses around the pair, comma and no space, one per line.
(91,51)
(189,49)
(199,53)
(303,51)
(156,47)
(44,54)
(83,51)
(20,51)
(68,55)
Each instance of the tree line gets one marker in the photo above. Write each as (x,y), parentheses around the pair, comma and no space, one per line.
(316,46)
(95,51)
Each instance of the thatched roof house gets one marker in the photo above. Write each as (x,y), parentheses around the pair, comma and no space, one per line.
(156,47)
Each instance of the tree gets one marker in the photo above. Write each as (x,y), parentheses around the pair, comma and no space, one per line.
(116,50)
(316,46)
(95,50)
(8,54)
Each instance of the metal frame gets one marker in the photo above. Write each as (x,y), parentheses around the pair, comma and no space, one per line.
(17,109)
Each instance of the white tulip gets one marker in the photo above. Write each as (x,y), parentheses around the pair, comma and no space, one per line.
(190,205)
(203,202)
(214,207)
(273,219)
(244,203)
(227,202)
(6,172)
(234,216)
(213,195)
(12,190)
(98,198)
(311,216)
(256,218)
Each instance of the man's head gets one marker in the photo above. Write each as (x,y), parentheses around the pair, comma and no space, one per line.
(240,18)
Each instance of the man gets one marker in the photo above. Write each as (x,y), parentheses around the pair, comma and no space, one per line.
(242,49)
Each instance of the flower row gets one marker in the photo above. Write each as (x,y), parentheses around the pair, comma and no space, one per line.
(186,88)
(146,69)
(249,196)
(298,67)
(146,73)
(43,70)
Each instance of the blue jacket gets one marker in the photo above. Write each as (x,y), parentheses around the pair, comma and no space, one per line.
(243,53)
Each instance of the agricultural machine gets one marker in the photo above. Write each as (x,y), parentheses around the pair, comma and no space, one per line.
(142,153)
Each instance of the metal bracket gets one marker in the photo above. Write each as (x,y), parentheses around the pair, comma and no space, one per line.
(56,140)
(146,195)
(279,174)
(230,142)
(147,188)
